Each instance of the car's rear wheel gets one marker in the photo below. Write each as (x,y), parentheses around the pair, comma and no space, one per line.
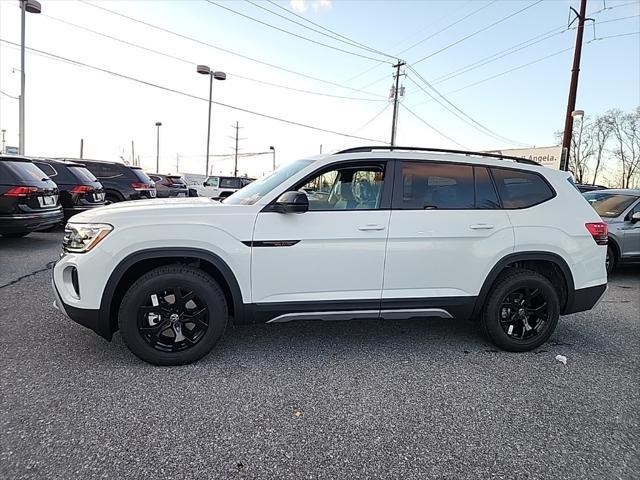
(611,259)
(173,315)
(110,198)
(521,312)
(16,234)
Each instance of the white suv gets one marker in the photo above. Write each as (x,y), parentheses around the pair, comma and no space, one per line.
(366,233)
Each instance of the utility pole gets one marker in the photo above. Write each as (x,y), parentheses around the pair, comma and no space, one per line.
(3,132)
(81,147)
(133,155)
(177,163)
(573,87)
(235,163)
(320,149)
(396,96)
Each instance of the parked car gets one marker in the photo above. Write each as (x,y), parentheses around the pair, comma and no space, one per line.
(401,234)
(221,187)
(589,188)
(120,182)
(28,198)
(169,185)
(78,189)
(620,208)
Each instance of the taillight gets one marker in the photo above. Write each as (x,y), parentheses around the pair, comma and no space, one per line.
(599,231)
(82,189)
(140,186)
(20,191)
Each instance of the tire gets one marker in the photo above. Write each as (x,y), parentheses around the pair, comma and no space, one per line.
(150,332)
(505,318)
(111,198)
(611,260)
(16,235)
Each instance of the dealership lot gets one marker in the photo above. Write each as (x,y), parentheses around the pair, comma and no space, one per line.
(401,399)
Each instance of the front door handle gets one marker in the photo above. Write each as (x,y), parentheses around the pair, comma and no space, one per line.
(366,228)
(481,226)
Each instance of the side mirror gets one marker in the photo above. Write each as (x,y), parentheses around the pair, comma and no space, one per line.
(204,184)
(293,202)
(635,217)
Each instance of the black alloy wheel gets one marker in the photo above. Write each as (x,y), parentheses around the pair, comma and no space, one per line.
(524,313)
(173,319)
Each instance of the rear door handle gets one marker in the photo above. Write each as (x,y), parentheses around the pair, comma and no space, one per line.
(481,226)
(366,228)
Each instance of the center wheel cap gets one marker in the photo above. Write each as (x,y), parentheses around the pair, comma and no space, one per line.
(174,317)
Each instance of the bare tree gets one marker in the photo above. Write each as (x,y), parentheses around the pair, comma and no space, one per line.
(626,134)
(581,150)
(599,131)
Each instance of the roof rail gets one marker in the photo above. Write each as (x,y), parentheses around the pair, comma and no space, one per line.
(439,150)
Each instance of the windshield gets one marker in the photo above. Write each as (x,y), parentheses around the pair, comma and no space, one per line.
(609,204)
(143,177)
(258,189)
(82,174)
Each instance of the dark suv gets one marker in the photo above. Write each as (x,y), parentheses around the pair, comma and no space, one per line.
(28,198)
(120,182)
(169,185)
(79,189)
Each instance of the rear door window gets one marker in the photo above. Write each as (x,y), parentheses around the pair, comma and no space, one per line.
(429,185)
(230,183)
(520,189)
(104,170)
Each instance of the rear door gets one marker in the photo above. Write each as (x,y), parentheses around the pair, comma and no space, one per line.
(447,230)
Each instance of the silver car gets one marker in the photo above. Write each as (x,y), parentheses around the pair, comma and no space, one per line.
(620,209)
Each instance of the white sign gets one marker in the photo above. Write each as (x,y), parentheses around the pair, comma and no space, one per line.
(545,156)
(11,150)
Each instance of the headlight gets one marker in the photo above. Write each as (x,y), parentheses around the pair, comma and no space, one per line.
(82,237)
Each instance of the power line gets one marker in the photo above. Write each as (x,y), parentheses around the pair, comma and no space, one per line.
(10,96)
(448,26)
(519,67)
(503,19)
(334,35)
(302,37)
(372,119)
(230,52)
(432,127)
(179,92)
(192,63)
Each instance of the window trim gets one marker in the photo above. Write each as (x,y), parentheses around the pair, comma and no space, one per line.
(388,165)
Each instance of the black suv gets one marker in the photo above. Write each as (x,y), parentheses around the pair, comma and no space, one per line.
(28,198)
(79,189)
(120,182)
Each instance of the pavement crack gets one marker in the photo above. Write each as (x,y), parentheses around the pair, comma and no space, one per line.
(19,279)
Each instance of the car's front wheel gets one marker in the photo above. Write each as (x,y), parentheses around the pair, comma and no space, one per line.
(173,315)
(521,312)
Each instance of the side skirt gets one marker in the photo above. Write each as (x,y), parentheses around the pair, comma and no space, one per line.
(387,309)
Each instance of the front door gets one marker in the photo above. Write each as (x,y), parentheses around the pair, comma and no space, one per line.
(330,258)
(631,235)
(446,231)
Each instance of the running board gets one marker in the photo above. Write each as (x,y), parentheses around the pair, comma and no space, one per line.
(397,314)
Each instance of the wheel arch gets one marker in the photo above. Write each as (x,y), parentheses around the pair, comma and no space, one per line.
(617,251)
(138,263)
(549,264)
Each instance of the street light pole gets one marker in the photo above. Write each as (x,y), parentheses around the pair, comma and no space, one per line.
(31,6)
(273,149)
(205,70)
(158,125)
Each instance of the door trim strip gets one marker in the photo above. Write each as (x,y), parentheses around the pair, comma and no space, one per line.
(395,314)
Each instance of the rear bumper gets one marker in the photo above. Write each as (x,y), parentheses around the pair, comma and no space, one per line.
(31,222)
(71,211)
(585,299)
(83,316)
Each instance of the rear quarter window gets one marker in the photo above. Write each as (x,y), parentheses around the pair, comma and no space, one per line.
(520,189)
(82,174)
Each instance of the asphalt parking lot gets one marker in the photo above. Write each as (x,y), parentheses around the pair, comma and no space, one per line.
(405,399)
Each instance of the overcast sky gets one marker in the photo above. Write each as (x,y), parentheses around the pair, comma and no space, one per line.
(66,102)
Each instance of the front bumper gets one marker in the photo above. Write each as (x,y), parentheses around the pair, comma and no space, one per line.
(86,317)
(31,222)
(585,299)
